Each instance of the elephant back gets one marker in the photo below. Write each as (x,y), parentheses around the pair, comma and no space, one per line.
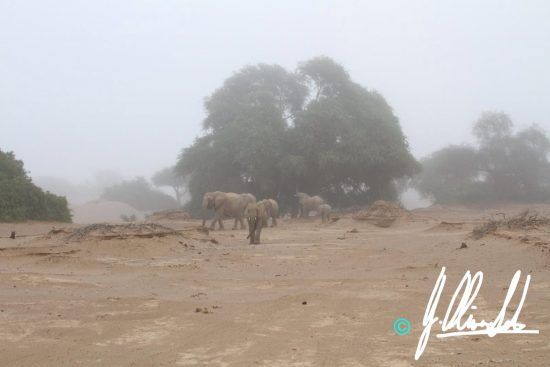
(234,204)
(325,208)
(274,207)
(248,198)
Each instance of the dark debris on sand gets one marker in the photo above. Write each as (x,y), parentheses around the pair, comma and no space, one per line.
(106,231)
(525,220)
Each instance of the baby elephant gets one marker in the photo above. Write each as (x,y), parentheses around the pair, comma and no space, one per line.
(271,208)
(325,210)
(255,214)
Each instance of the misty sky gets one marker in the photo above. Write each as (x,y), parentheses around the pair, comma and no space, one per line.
(119,85)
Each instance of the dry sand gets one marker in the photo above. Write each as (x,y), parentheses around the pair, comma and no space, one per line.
(310,295)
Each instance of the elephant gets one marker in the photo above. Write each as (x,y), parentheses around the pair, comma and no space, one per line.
(271,210)
(248,198)
(325,210)
(308,203)
(256,215)
(225,204)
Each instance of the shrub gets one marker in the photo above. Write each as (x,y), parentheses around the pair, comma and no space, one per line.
(21,200)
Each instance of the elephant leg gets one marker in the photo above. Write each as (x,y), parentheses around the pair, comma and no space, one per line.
(235,223)
(242,223)
(258,232)
(218,217)
(273,222)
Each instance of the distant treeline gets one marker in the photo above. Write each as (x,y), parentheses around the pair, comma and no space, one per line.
(21,200)
(271,132)
(139,194)
(504,166)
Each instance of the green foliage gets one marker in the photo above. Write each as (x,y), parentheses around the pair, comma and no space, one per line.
(272,132)
(139,194)
(21,200)
(505,166)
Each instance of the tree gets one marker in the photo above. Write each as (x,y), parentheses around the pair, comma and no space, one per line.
(506,166)
(270,132)
(450,175)
(21,200)
(244,134)
(350,139)
(139,194)
(492,127)
(516,165)
(168,177)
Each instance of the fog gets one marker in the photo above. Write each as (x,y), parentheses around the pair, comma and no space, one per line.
(91,86)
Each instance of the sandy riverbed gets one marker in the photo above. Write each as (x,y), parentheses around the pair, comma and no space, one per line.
(310,295)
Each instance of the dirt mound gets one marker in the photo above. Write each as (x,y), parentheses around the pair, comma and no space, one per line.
(380,213)
(105,231)
(526,220)
(174,214)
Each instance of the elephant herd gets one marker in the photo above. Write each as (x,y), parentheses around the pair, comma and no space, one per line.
(257,213)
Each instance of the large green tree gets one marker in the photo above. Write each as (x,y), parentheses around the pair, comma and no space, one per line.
(21,199)
(271,132)
(351,141)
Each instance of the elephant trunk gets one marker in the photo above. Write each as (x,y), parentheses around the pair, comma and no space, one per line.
(251,227)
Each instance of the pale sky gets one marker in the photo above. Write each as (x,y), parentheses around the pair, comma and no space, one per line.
(93,85)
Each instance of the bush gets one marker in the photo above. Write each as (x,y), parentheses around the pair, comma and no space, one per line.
(21,200)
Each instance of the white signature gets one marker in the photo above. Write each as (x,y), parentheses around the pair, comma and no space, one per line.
(466,324)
